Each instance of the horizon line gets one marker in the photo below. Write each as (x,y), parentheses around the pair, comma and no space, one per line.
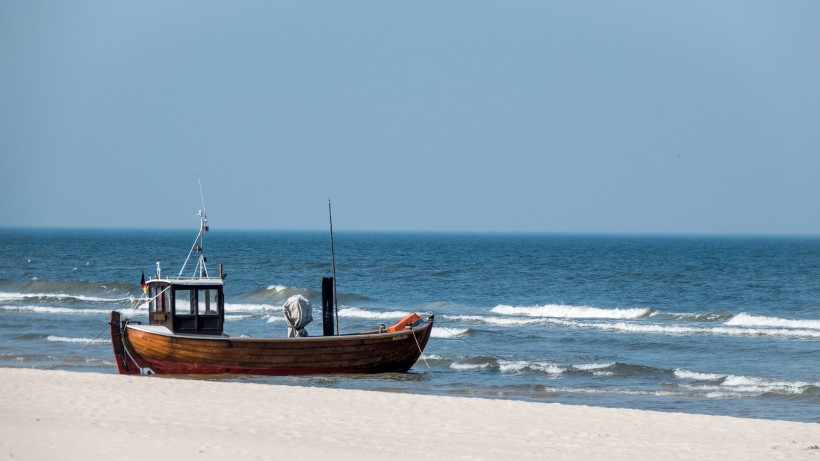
(429,232)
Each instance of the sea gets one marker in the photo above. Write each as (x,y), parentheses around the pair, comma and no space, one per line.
(718,325)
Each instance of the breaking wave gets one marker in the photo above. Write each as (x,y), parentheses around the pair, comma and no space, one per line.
(468,366)
(63,339)
(237,317)
(62,297)
(747,320)
(356,312)
(54,310)
(500,321)
(676,382)
(593,366)
(432,357)
(638,321)
(688,330)
(274,319)
(245,308)
(575,312)
(692,316)
(277,288)
(279,293)
(720,385)
(448,333)
(521,366)
(693,375)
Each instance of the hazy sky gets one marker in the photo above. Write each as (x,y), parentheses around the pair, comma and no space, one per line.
(526,116)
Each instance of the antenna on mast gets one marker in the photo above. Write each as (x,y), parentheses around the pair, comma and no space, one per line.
(201,195)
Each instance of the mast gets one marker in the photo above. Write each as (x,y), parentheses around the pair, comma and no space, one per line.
(200,270)
(333,267)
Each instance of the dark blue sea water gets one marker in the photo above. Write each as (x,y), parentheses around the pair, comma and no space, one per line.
(713,325)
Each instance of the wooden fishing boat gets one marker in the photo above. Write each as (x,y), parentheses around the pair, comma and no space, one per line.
(184,335)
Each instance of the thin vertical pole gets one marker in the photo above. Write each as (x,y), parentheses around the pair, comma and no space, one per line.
(333,267)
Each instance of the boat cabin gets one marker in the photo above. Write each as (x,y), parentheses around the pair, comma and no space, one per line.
(188,305)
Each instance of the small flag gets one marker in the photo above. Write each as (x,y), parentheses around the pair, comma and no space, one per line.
(142,283)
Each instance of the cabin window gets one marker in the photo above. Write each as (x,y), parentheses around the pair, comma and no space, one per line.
(158,299)
(200,302)
(152,306)
(207,301)
(162,300)
(183,301)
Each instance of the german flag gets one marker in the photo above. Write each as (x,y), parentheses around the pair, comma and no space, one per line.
(142,283)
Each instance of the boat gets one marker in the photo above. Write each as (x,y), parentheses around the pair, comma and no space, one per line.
(184,333)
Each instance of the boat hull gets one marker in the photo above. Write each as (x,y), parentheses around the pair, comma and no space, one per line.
(139,350)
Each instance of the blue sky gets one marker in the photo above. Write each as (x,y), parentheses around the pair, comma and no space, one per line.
(696,117)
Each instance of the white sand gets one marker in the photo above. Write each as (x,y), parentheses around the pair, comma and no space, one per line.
(80,416)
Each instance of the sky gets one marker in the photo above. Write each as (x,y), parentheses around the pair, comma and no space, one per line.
(651,117)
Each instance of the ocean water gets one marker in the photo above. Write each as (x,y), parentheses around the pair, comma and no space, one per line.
(711,325)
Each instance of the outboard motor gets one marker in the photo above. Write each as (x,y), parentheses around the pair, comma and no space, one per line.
(298,314)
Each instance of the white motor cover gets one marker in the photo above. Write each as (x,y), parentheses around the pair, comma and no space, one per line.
(299,314)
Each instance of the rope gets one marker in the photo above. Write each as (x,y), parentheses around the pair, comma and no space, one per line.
(421,353)
(189,255)
(61,362)
(128,317)
(490,354)
(125,348)
(140,306)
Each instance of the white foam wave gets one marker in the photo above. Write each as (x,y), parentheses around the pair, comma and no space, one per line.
(747,320)
(620,391)
(465,318)
(448,333)
(593,366)
(356,312)
(640,328)
(562,311)
(468,366)
(813,334)
(738,326)
(235,317)
(63,339)
(432,357)
(274,318)
(744,386)
(684,330)
(703,317)
(11,297)
(54,310)
(491,320)
(693,375)
(763,385)
(277,288)
(252,308)
(523,365)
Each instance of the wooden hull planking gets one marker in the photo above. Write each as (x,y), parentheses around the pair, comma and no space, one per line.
(139,351)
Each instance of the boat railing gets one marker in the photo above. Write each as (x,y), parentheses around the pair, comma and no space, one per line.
(179,278)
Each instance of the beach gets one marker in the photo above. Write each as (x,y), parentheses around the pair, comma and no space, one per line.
(73,416)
